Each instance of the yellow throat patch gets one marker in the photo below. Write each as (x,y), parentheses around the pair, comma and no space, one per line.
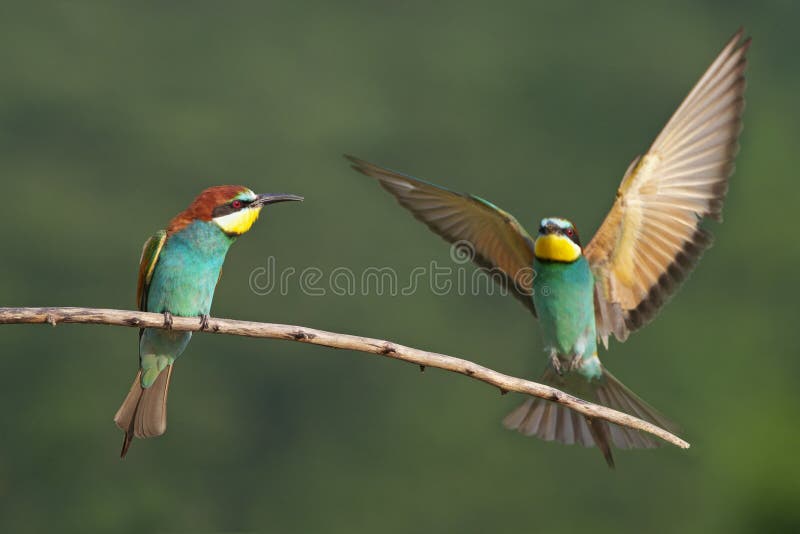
(238,222)
(555,247)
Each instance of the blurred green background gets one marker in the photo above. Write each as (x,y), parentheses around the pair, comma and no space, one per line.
(112,118)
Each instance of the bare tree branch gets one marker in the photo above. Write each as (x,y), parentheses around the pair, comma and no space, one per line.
(419,357)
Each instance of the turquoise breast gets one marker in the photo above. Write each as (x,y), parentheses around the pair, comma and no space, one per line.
(564,301)
(188,269)
(183,283)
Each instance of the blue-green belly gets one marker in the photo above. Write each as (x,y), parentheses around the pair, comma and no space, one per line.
(183,283)
(564,301)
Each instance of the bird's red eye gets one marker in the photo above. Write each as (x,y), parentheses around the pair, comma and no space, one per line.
(570,232)
(236,204)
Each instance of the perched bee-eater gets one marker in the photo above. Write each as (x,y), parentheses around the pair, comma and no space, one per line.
(644,249)
(178,272)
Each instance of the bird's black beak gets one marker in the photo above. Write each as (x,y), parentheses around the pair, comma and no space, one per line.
(272,198)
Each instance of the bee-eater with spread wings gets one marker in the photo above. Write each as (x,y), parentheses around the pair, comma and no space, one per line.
(644,249)
(178,273)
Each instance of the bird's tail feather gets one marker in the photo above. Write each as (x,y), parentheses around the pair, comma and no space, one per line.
(554,422)
(143,413)
(612,393)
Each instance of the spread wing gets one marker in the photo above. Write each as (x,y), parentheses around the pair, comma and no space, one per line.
(147,264)
(651,238)
(494,238)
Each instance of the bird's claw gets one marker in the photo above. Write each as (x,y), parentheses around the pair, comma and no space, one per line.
(204,321)
(556,363)
(576,362)
(167,320)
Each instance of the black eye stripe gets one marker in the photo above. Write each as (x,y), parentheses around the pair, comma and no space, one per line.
(574,237)
(551,228)
(227,208)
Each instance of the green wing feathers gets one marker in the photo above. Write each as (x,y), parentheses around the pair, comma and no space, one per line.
(147,264)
